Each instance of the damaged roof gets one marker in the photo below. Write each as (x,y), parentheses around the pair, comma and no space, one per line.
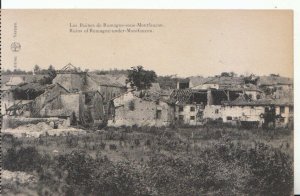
(246,87)
(182,96)
(145,95)
(243,101)
(27,78)
(69,68)
(104,80)
(221,80)
(28,86)
(197,80)
(120,78)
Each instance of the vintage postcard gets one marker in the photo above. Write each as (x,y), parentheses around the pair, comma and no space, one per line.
(147,102)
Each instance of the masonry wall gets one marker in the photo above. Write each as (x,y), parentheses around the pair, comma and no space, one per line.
(97,107)
(50,95)
(94,108)
(206,86)
(242,113)
(212,112)
(70,81)
(167,114)
(234,114)
(7,100)
(143,114)
(91,85)
(130,110)
(285,112)
(188,114)
(108,92)
(63,105)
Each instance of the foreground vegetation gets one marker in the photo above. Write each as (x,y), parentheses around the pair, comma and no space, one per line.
(210,160)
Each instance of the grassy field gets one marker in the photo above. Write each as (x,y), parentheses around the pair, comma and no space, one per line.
(210,160)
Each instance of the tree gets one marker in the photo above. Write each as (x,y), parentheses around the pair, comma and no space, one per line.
(51,74)
(51,67)
(167,82)
(252,79)
(140,78)
(232,74)
(274,75)
(228,74)
(36,69)
(7,72)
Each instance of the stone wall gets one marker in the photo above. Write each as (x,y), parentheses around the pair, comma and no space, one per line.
(184,114)
(212,112)
(130,110)
(70,81)
(13,122)
(285,112)
(242,113)
(63,105)
(108,92)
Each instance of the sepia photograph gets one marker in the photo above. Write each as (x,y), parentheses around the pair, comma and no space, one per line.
(128,102)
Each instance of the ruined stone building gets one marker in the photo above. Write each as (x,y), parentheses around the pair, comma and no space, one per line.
(7,97)
(276,86)
(79,107)
(87,84)
(107,86)
(17,93)
(76,95)
(132,108)
(217,82)
(74,80)
(245,106)
(88,98)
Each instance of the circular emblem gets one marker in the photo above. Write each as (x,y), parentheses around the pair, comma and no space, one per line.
(15,47)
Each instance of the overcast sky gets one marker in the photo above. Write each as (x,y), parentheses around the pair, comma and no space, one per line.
(190,42)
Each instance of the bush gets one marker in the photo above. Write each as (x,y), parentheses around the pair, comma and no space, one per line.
(137,142)
(112,147)
(102,145)
(79,174)
(232,163)
(23,159)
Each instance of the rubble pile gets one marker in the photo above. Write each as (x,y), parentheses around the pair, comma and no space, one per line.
(41,128)
(19,177)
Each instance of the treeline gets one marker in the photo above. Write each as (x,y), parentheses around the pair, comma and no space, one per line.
(111,72)
(36,70)
(16,72)
(167,82)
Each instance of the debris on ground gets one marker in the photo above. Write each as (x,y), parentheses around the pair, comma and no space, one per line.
(18,177)
(40,129)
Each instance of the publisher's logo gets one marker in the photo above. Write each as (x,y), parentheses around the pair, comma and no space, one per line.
(15,47)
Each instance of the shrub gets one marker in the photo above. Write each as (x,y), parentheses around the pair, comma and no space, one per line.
(102,145)
(137,142)
(112,146)
(148,142)
(79,174)
(23,159)
(71,141)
